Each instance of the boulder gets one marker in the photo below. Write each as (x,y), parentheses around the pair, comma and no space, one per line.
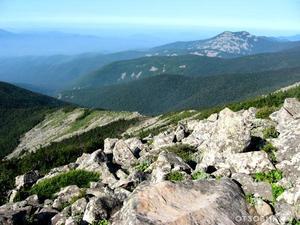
(44,215)
(259,189)
(26,180)
(109,144)
(262,208)
(127,152)
(12,195)
(180,133)
(250,162)
(97,162)
(65,196)
(220,137)
(165,163)
(58,219)
(96,209)
(164,139)
(284,212)
(192,202)
(72,221)
(78,207)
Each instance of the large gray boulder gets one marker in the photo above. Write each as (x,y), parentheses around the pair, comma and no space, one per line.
(96,162)
(126,152)
(192,202)
(100,208)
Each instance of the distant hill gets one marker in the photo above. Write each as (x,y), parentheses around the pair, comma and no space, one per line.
(164,93)
(188,65)
(20,110)
(290,38)
(52,73)
(227,44)
(53,43)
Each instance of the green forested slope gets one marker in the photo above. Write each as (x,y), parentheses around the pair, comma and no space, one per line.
(20,110)
(166,93)
(188,65)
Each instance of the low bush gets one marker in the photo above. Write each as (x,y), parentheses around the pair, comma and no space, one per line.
(183,151)
(101,222)
(270,177)
(175,176)
(294,222)
(270,132)
(141,167)
(200,175)
(265,112)
(277,190)
(270,150)
(250,199)
(48,187)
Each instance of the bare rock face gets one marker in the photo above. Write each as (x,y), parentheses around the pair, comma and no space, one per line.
(192,202)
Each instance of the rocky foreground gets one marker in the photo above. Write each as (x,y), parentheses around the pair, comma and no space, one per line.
(231,168)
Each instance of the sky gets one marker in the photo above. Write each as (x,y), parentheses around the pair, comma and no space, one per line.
(264,16)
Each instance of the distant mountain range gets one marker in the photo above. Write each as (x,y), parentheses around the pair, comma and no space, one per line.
(51,74)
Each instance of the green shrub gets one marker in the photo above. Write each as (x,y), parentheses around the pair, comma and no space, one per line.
(48,187)
(102,222)
(277,190)
(153,131)
(270,132)
(175,176)
(250,199)
(141,167)
(270,150)
(265,112)
(183,151)
(200,175)
(270,177)
(294,222)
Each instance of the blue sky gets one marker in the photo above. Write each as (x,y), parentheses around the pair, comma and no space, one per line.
(281,16)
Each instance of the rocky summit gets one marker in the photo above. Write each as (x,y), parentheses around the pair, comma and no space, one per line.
(232,168)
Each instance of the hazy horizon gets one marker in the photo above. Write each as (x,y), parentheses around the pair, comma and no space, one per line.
(182,20)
